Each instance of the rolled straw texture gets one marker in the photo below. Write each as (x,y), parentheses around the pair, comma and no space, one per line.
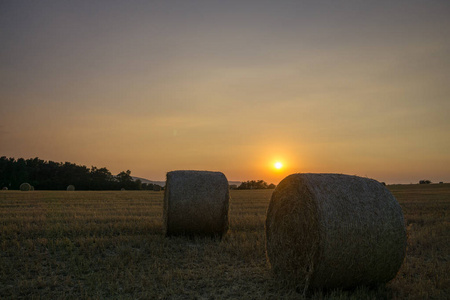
(196,203)
(334,231)
(25,187)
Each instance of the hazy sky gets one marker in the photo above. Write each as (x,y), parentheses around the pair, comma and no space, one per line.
(353,87)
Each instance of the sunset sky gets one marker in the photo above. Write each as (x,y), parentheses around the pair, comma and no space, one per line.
(353,87)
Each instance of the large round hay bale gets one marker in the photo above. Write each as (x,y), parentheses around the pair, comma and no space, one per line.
(4,188)
(25,187)
(196,203)
(334,231)
(71,188)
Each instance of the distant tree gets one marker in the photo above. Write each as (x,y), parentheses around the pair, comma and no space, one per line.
(50,175)
(125,180)
(101,179)
(72,174)
(253,185)
(424,182)
(138,184)
(124,176)
(20,173)
(271,186)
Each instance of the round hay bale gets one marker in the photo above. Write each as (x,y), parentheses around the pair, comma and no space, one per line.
(71,188)
(334,231)
(196,203)
(4,188)
(25,187)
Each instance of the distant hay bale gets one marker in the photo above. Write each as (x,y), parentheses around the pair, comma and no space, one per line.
(32,188)
(334,231)
(196,203)
(4,188)
(71,188)
(122,189)
(25,187)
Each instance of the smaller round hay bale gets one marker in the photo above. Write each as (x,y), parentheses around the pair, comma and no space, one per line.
(122,189)
(71,188)
(32,188)
(25,187)
(196,203)
(4,188)
(328,231)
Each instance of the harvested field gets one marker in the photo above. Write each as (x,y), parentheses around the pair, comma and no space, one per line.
(111,245)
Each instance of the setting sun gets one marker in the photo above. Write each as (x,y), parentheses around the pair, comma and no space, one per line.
(278,165)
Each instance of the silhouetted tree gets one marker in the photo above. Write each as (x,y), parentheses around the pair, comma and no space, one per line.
(101,179)
(254,185)
(49,175)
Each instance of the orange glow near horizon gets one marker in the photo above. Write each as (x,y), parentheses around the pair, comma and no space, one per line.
(278,167)
(157,88)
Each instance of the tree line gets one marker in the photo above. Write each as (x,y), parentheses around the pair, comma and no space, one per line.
(50,175)
(255,185)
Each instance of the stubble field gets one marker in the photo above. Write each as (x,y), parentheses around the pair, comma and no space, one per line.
(110,245)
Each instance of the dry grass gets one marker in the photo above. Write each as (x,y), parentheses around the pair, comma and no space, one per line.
(424,273)
(110,245)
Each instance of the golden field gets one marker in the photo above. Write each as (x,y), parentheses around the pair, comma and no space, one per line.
(58,244)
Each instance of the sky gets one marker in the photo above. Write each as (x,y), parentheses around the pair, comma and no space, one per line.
(351,87)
